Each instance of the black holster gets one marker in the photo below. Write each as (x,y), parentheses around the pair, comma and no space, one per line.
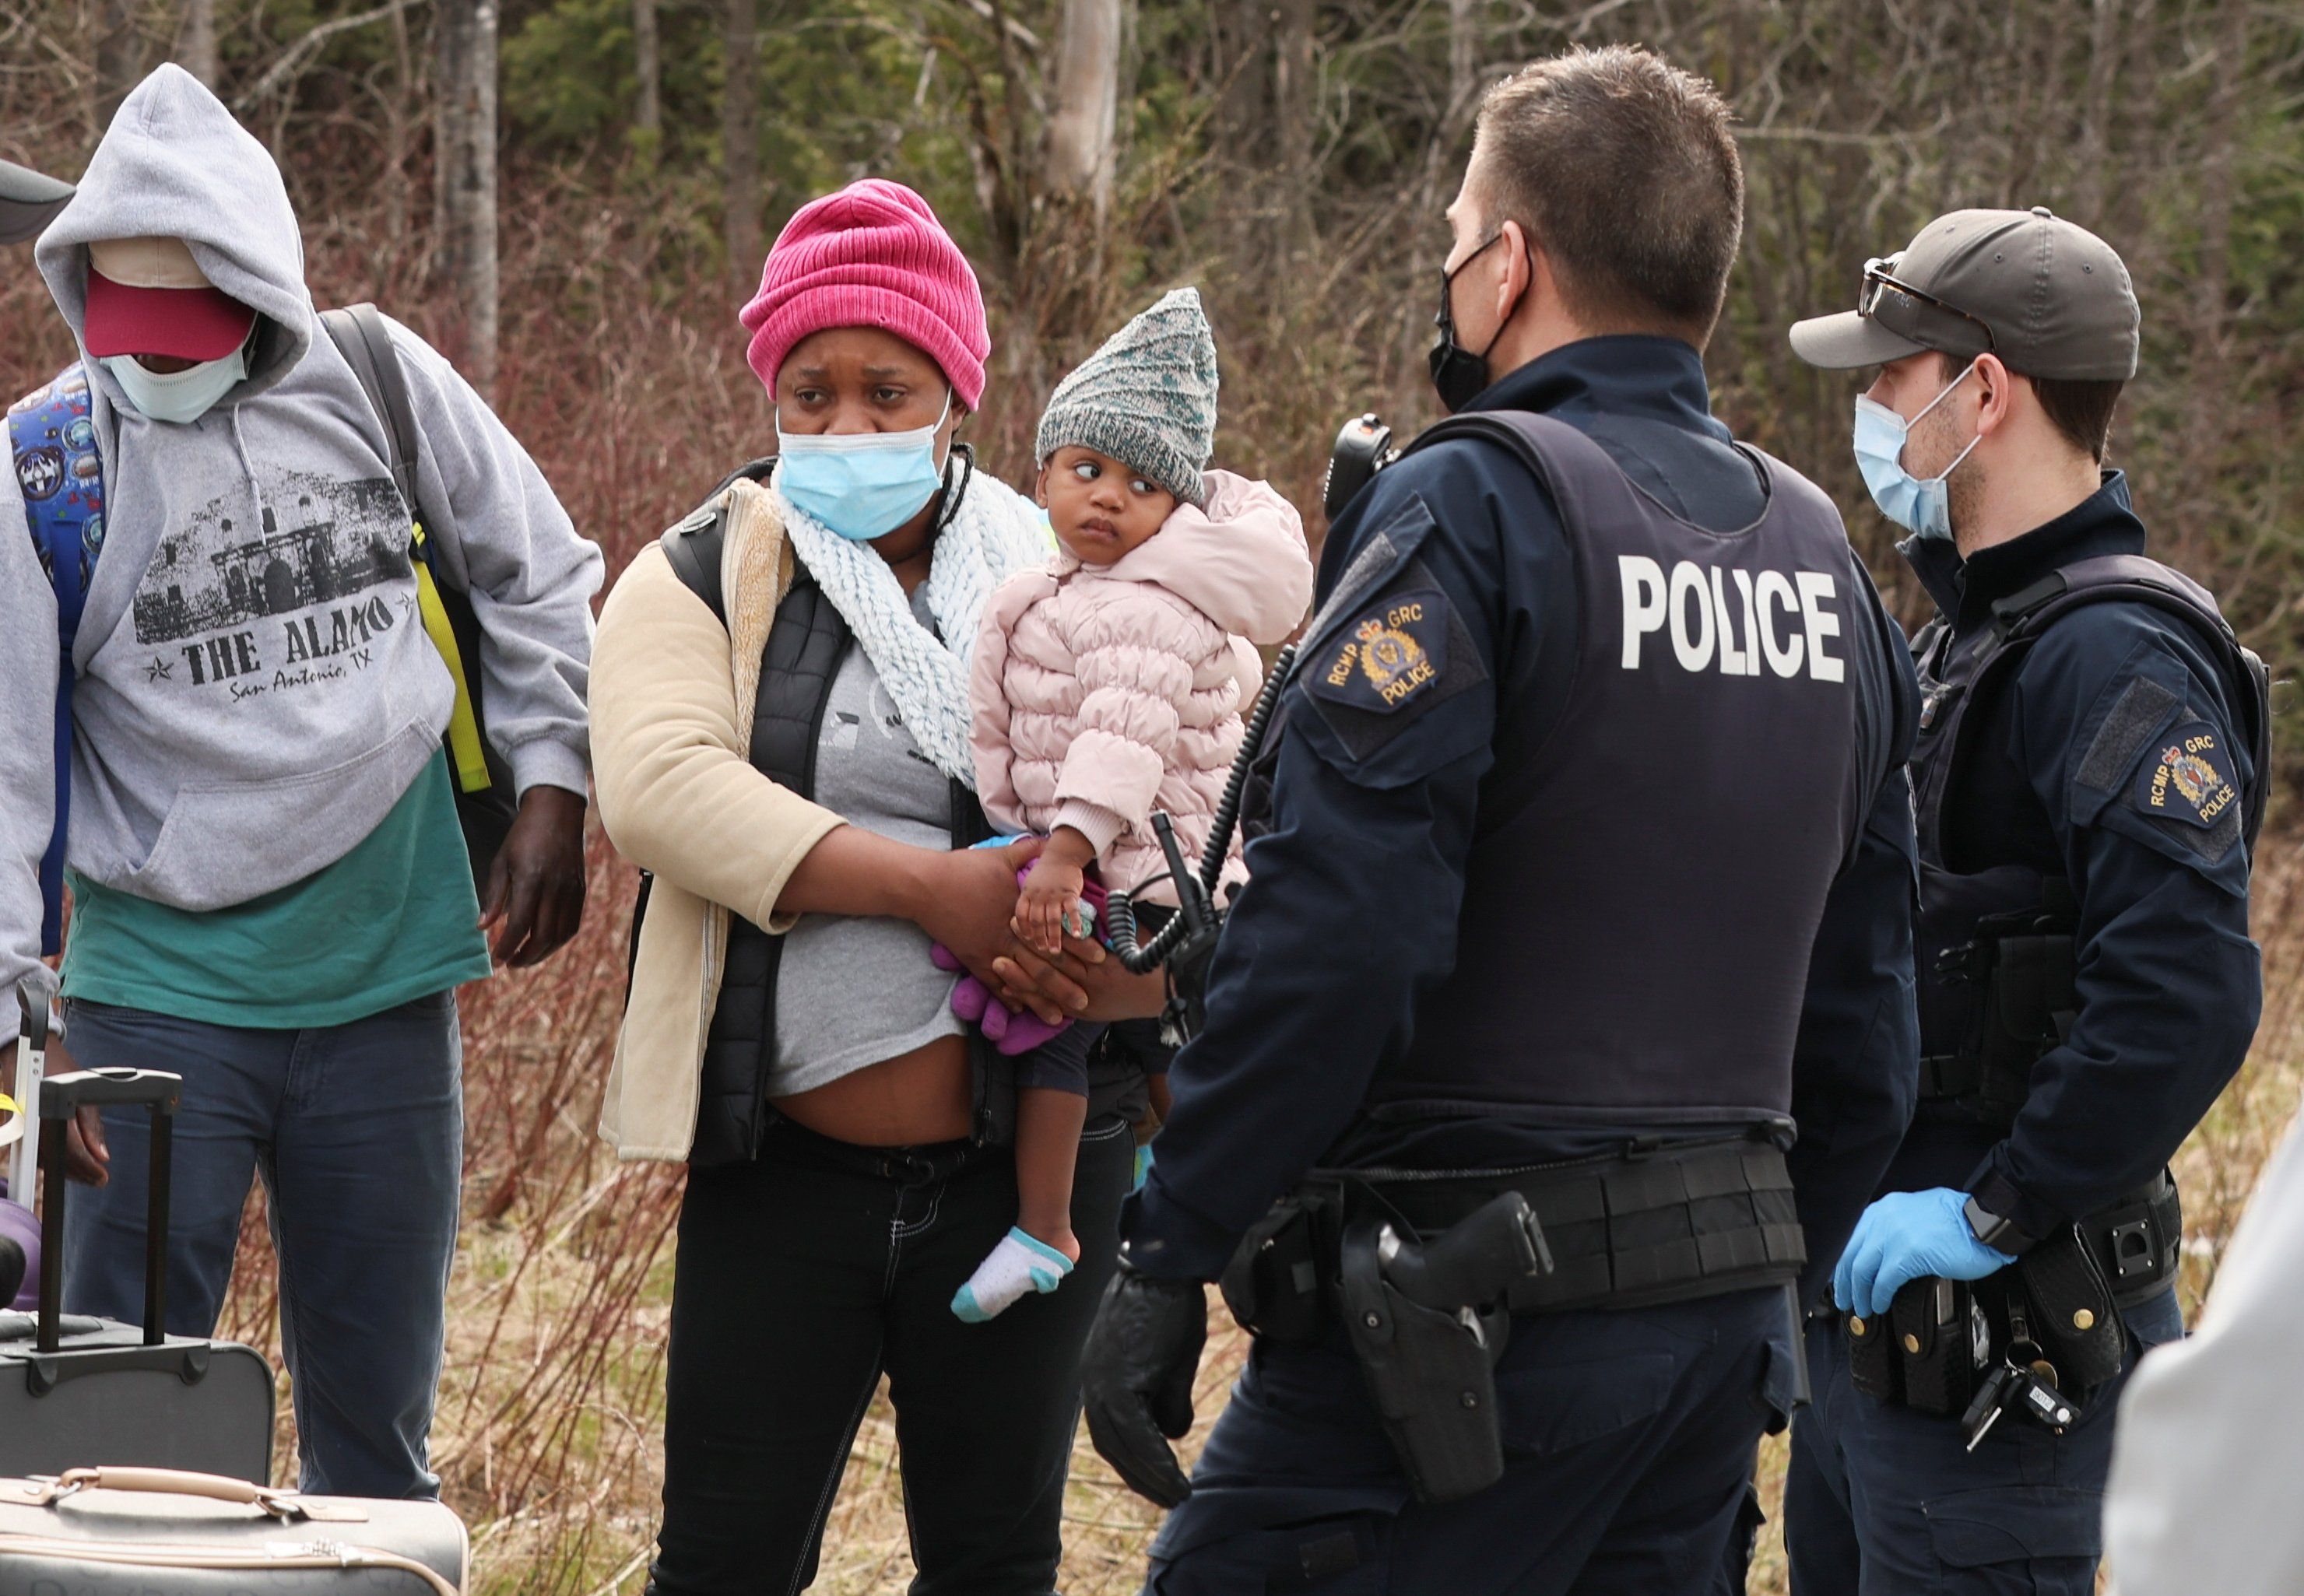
(1430,1365)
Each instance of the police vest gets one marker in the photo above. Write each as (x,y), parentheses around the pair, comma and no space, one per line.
(1995,950)
(1646,879)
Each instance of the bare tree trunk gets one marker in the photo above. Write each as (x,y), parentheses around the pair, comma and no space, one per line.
(398,136)
(119,56)
(1463,79)
(740,137)
(649,113)
(2209,425)
(1292,115)
(1238,36)
(466,176)
(1081,131)
(196,41)
(2095,154)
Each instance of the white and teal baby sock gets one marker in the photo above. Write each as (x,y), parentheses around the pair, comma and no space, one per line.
(1017,1267)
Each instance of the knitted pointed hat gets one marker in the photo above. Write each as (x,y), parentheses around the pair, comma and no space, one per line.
(1147,397)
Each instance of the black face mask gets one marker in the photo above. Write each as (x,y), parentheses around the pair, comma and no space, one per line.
(1458,374)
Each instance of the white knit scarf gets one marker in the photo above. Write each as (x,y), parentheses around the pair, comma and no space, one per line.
(994,533)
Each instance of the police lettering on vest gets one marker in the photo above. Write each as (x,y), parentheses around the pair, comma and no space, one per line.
(1784,619)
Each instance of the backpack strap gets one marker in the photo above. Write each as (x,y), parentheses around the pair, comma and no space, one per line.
(693,546)
(360,335)
(364,340)
(60,475)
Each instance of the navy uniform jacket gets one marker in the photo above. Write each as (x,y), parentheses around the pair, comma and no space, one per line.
(2170,985)
(1351,913)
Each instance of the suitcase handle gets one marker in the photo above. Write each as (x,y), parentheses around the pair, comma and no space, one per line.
(176,1481)
(154,1089)
(60,1096)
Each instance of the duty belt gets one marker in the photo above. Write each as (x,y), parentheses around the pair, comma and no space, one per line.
(1424,1271)
(2037,1339)
(1657,1223)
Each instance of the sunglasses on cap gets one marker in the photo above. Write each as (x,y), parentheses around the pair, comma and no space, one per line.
(1916,314)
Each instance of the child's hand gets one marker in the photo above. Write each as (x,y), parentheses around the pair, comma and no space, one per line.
(1050,899)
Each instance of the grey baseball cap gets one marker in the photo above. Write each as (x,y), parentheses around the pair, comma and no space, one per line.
(27,201)
(2047,296)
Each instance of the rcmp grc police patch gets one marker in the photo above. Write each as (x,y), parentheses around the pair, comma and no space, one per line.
(2189,777)
(1387,656)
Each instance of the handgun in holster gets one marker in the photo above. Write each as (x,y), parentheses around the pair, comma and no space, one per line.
(1427,1321)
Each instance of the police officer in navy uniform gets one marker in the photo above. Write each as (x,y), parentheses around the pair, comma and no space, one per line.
(1587,875)
(2089,774)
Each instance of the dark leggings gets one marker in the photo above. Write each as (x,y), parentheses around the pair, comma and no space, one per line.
(805,1275)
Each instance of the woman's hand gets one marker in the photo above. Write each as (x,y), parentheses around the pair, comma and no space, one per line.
(970,903)
(1083,982)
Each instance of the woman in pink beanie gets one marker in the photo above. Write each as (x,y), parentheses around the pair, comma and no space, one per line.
(780,723)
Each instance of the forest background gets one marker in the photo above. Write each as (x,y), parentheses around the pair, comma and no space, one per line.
(573,196)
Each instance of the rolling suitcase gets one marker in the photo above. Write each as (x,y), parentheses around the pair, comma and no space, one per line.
(133,1531)
(76,1391)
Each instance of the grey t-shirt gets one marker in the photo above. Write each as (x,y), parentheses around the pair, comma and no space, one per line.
(853,990)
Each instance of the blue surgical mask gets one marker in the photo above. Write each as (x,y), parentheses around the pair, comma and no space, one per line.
(861,485)
(177,396)
(1923,508)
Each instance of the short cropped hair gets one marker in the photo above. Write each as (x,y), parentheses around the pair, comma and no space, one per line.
(1624,169)
(2080,411)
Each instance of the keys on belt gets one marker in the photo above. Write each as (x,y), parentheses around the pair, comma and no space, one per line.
(2023,1384)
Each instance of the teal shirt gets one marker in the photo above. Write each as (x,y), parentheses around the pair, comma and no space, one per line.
(393,920)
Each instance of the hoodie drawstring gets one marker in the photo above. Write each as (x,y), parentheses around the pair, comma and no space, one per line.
(239,447)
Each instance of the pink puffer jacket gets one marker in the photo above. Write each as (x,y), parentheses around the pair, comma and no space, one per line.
(1102,692)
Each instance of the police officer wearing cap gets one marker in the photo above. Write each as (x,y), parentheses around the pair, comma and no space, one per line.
(1586,876)
(2089,772)
(29,201)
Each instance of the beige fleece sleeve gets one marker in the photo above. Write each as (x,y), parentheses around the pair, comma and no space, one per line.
(677,793)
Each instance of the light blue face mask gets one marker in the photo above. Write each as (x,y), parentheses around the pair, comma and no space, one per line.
(861,485)
(1923,508)
(178,396)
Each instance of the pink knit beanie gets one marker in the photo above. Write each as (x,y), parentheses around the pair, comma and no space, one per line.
(872,254)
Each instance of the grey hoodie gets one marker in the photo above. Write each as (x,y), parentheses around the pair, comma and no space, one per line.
(255,689)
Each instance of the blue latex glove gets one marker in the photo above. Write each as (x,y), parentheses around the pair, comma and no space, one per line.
(1903,1236)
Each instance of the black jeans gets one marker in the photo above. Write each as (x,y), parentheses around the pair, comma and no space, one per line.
(804,1275)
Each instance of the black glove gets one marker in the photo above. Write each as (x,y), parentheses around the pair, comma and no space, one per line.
(1136,1376)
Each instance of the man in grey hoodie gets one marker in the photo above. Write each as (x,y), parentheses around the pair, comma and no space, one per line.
(271,894)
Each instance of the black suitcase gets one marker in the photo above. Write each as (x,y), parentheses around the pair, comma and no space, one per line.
(77,1391)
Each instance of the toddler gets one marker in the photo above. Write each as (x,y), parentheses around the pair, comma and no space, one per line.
(1109,683)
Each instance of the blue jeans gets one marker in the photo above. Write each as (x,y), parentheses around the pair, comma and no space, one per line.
(357,1131)
(1627,1442)
(1880,1501)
